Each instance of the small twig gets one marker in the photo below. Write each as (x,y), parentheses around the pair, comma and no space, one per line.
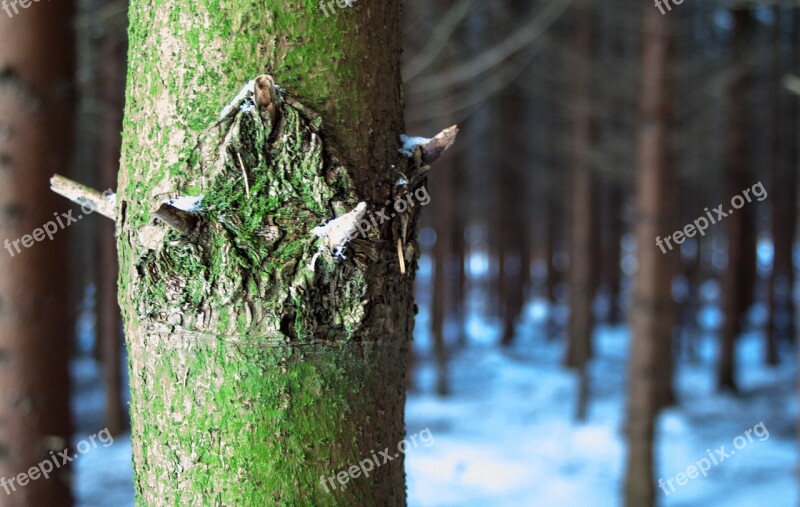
(400,257)
(432,150)
(83,195)
(178,219)
(244,174)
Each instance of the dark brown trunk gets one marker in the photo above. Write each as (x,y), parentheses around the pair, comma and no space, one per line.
(442,223)
(581,211)
(36,125)
(109,319)
(650,313)
(783,193)
(735,276)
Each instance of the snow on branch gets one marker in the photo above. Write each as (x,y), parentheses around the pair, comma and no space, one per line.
(433,148)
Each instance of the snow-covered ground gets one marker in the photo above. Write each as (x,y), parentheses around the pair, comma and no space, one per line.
(506,435)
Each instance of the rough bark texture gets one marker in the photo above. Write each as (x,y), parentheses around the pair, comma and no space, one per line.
(36,121)
(260,360)
(649,314)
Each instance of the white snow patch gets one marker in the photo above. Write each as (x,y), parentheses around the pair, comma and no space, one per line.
(190,203)
(338,231)
(410,144)
(244,94)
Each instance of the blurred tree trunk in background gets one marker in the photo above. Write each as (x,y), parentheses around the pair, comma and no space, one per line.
(736,273)
(650,316)
(259,369)
(460,254)
(581,280)
(611,270)
(113,45)
(512,167)
(782,191)
(442,221)
(36,124)
(553,277)
(581,244)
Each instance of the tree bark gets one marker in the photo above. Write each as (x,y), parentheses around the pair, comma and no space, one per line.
(36,124)
(650,317)
(262,362)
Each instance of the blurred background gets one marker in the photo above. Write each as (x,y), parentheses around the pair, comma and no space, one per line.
(558,350)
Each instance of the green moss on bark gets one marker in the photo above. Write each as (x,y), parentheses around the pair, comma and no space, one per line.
(252,375)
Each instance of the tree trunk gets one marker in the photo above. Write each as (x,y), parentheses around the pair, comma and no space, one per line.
(109,319)
(580,275)
(36,125)
(612,270)
(783,194)
(262,362)
(441,298)
(735,224)
(649,315)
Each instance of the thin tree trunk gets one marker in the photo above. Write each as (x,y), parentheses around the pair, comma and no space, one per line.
(460,252)
(442,252)
(109,319)
(36,125)
(261,361)
(580,245)
(783,194)
(650,318)
(613,240)
(736,223)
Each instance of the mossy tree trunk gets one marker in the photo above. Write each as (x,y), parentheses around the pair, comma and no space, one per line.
(260,360)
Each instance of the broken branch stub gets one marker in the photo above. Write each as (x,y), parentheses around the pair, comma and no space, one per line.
(177,219)
(432,150)
(83,195)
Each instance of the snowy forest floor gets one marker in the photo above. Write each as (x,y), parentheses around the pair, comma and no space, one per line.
(506,434)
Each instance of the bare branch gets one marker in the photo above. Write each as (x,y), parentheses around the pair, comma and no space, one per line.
(438,40)
(494,56)
(83,195)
